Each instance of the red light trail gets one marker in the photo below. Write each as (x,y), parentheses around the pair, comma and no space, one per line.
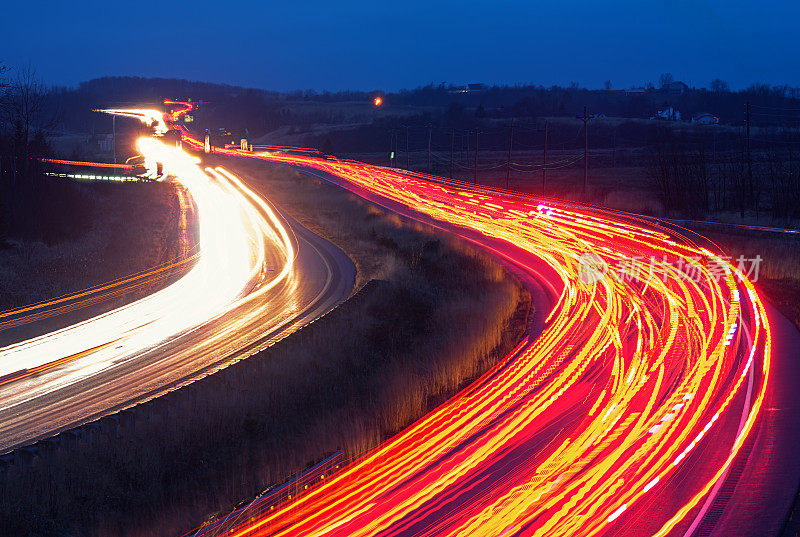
(623,415)
(89,164)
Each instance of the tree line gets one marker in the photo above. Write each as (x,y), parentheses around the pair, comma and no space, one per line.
(693,177)
(707,161)
(260,110)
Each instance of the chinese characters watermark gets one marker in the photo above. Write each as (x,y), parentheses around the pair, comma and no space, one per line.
(593,268)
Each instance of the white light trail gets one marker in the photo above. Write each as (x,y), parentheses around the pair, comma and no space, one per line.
(151,118)
(235,229)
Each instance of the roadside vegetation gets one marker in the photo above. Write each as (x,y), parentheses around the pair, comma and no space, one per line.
(778,278)
(432,314)
(118,230)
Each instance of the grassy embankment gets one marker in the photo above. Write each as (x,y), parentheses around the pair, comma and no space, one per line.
(109,231)
(440,314)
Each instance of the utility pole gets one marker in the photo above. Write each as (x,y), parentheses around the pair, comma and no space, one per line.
(408,167)
(714,142)
(392,144)
(544,156)
(475,169)
(429,148)
(585,118)
(749,155)
(452,149)
(114,136)
(614,149)
(510,144)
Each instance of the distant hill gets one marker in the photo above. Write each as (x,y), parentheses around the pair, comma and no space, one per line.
(349,117)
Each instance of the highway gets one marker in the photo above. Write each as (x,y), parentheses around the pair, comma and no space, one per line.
(258,276)
(622,413)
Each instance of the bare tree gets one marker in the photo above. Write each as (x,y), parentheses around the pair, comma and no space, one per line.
(665,79)
(719,86)
(3,71)
(25,102)
(679,169)
(4,85)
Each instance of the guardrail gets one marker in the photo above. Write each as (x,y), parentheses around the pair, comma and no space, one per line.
(271,497)
(161,410)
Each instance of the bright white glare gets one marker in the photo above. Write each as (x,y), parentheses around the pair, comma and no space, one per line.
(236,228)
(154,118)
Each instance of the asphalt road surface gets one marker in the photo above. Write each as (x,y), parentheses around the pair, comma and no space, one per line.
(588,463)
(82,389)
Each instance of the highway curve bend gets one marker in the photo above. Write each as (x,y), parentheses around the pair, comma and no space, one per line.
(623,416)
(259,275)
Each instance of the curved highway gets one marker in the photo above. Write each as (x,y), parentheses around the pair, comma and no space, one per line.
(623,416)
(258,276)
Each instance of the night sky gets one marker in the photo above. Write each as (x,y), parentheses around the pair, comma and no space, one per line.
(389,45)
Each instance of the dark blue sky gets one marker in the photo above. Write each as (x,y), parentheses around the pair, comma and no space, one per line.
(390,45)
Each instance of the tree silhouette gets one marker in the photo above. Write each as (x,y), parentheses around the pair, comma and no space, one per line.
(24,105)
(3,71)
(719,86)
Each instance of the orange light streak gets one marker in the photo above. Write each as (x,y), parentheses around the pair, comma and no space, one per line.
(89,164)
(614,402)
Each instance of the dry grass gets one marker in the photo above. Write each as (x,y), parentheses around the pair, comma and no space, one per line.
(779,270)
(134,228)
(440,315)
(779,275)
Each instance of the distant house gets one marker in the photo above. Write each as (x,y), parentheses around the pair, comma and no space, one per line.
(675,88)
(635,91)
(705,119)
(668,114)
(470,88)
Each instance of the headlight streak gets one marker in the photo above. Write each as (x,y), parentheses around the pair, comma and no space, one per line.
(235,229)
(151,118)
(650,366)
